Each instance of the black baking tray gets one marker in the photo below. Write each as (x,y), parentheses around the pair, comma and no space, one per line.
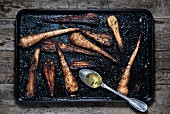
(132,23)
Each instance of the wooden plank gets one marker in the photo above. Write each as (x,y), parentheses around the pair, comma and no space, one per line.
(7,56)
(7,91)
(9,9)
(6,67)
(6,78)
(158,8)
(162,60)
(8,105)
(162,77)
(7,34)
(162,34)
(93,4)
(162,67)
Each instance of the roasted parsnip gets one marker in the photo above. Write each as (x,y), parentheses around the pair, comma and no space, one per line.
(49,70)
(89,18)
(32,73)
(113,23)
(81,41)
(123,84)
(30,40)
(70,82)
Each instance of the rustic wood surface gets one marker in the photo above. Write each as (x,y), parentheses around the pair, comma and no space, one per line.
(160,10)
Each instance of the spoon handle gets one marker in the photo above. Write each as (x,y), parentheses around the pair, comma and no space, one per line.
(139,105)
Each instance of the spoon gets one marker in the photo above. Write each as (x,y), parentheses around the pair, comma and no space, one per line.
(94,80)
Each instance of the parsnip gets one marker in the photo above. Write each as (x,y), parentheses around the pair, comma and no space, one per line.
(70,82)
(49,70)
(81,41)
(30,40)
(123,84)
(31,79)
(113,23)
(89,18)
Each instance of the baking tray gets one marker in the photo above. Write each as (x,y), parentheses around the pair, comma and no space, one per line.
(132,23)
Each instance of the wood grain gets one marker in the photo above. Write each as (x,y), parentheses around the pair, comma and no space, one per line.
(9,8)
(92,4)
(6,67)
(162,33)
(158,8)
(7,34)
(162,77)
(162,60)
(8,104)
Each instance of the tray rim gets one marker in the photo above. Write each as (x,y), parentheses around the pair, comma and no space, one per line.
(22,11)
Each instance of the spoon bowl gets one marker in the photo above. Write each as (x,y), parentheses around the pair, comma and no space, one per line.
(94,80)
(84,73)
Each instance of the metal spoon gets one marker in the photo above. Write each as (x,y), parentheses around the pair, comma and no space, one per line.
(96,81)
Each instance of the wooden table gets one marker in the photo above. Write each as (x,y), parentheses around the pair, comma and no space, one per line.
(161,13)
